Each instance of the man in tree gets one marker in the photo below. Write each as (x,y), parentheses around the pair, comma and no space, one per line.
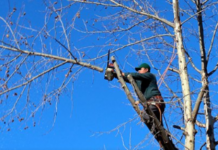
(147,84)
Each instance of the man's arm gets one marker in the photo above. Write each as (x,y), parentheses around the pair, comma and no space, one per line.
(124,77)
(138,76)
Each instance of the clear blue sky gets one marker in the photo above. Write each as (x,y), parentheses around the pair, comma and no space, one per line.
(87,113)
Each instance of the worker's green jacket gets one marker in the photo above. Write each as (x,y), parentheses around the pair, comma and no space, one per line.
(146,82)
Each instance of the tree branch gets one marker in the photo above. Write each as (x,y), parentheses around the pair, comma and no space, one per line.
(16,42)
(200,124)
(174,70)
(198,102)
(130,9)
(215,68)
(17,68)
(65,34)
(202,145)
(211,44)
(136,3)
(131,44)
(122,30)
(204,2)
(95,3)
(178,127)
(54,57)
(37,76)
(15,104)
(190,60)
(192,16)
(146,14)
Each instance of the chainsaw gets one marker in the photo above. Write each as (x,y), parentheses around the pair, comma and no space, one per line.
(109,73)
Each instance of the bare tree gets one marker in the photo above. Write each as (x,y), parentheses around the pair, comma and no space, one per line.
(178,40)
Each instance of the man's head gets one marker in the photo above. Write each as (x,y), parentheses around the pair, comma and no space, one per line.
(143,68)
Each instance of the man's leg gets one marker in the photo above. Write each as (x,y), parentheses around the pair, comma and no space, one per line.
(153,126)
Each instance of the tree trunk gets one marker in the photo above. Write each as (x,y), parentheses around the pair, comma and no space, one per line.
(209,122)
(207,108)
(189,125)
